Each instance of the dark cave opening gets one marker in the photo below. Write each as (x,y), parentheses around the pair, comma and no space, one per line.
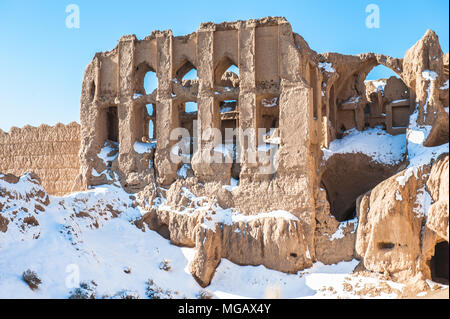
(439,263)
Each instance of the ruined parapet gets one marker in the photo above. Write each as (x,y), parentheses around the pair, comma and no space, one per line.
(51,152)
(277,87)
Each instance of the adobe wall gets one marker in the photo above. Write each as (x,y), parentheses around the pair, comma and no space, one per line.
(317,97)
(51,152)
(274,64)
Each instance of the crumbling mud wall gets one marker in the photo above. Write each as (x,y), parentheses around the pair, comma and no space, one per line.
(113,103)
(276,88)
(301,99)
(51,152)
(422,76)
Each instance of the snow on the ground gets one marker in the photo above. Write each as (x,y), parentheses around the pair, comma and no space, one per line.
(120,258)
(373,142)
(418,154)
(315,282)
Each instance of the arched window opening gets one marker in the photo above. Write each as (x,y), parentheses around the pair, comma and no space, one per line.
(380,72)
(227,73)
(388,100)
(188,113)
(146,81)
(151,130)
(186,72)
(227,103)
(112,124)
(191,75)
(269,117)
(150,121)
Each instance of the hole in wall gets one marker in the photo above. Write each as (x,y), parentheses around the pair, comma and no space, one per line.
(191,107)
(92,91)
(439,263)
(191,75)
(112,124)
(234,69)
(385,246)
(348,176)
(229,121)
(315,91)
(150,82)
(150,109)
(151,130)
(226,73)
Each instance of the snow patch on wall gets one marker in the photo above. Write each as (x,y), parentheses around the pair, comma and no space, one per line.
(374,142)
(422,203)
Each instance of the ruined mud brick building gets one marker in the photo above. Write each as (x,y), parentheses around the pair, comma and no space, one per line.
(307,99)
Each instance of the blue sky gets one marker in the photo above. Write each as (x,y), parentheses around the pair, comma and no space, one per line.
(42,62)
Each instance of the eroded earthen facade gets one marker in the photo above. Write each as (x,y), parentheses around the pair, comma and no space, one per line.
(303,100)
(51,152)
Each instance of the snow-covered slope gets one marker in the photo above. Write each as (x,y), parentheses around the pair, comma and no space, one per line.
(373,142)
(90,238)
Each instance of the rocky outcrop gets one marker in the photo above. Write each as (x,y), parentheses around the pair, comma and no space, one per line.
(438,186)
(402,219)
